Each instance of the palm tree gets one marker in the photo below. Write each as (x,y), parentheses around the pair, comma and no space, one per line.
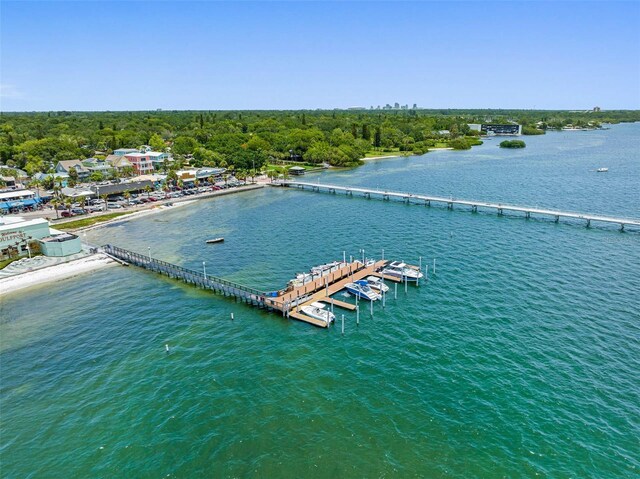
(147,189)
(37,184)
(127,196)
(56,201)
(104,201)
(68,201)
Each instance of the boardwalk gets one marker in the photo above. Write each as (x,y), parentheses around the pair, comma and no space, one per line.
(474,205)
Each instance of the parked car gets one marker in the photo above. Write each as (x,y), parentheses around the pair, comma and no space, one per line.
(66,214)
(78,211)
(113,206)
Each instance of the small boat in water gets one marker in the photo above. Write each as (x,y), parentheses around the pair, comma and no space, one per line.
(317,311)
(362,290)
(402,271)
(602,170)
(377,284)
(215,240)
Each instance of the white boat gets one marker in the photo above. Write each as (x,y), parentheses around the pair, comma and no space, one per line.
(317,311)
(602,170)
(377,283)
(362,290)
(300,280)
(316,272)
(402,271)
(325,269)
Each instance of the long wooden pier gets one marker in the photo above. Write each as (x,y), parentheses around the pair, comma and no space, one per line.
(450,202)
(288,301)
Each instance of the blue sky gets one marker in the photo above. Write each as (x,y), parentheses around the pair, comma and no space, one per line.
(141,55)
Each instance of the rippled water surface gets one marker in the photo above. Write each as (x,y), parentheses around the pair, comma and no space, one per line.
(519,358)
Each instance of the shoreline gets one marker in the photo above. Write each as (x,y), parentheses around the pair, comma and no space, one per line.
(57,272)
(160,206)
(385,157)
(76,267)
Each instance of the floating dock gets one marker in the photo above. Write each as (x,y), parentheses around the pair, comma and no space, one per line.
(288,302)
(450,202)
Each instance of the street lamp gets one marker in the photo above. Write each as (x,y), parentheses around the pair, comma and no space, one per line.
(204,269)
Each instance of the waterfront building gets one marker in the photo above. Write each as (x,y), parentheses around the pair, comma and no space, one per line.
(296,170)
(17,235)
(118,189)
(17,199)
(125,151)
(117,162)
(66,165)
(495,129)
(148,161)
(97,165)
(204,173)
(63,244)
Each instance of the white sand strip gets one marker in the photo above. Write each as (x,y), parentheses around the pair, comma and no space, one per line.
(54,273)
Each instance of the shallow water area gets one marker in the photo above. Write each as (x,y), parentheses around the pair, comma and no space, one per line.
(519,357)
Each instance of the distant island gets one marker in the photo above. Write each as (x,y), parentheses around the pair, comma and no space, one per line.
(512,144)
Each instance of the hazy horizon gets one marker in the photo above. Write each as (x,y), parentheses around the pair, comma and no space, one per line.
(180,55)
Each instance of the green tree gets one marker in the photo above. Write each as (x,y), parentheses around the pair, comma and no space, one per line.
(73,175)
(56,202)
(96,176)
(460,144)
(184,145)
(157,143)
(377,138)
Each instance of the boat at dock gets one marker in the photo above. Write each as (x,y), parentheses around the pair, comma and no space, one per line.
(316,310)
(402,271)
(362,290)
(377,284)
(315,273)
(215,240)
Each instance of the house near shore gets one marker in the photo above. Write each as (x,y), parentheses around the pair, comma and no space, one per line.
(65,165)
(148,161)
(125,151)
(118,162)
(99,166)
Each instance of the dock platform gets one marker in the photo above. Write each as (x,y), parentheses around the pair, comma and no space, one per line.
(288,302)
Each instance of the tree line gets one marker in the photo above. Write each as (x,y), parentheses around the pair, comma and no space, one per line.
(248,140)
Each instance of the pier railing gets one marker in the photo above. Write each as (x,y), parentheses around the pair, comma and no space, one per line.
(450,202)
(222,286)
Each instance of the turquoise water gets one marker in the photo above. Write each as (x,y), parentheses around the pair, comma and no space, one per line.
(519,358)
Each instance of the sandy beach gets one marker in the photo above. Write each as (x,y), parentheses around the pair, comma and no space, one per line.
(384,157)
(56,272)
